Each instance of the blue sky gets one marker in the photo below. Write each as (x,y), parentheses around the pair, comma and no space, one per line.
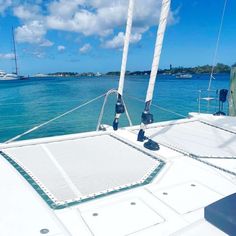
(87,35)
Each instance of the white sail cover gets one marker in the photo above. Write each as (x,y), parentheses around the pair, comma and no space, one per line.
(158,47)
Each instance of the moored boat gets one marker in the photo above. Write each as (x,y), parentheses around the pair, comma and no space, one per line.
(184,76)
(7,76)
(15,75)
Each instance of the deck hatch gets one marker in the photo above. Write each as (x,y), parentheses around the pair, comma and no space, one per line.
(69,172)
(187,197)
(124,217)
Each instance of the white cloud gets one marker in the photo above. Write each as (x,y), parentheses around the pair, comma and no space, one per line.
(88,17)
(27,12)
(100,17)
(100,22)
(46,43)
(64,8)
(38,54)
(4,4)
(118,40)
(61,48)
(32,32)
(85,48)
(33,29)
(7,55)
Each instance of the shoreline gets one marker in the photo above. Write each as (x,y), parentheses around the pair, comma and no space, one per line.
(117,75)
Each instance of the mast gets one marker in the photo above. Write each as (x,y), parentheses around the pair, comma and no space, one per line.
(147,117)
(14,48)
(217,47)
(119,109)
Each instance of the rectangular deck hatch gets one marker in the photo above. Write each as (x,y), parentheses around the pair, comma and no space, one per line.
(125,218)
(73,171)
(187,197)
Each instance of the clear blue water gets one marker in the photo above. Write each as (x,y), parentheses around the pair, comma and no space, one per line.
(25,104)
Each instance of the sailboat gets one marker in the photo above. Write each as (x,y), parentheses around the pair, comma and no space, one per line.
(11,76)
(166,178)
(183,76)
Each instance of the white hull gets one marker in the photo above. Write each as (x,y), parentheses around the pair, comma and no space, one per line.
(10,77)
(184,76)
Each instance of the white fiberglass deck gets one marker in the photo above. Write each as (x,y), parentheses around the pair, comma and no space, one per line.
(75,170)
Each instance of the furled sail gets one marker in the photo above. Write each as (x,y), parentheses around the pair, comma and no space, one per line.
(147,118)
(119,104)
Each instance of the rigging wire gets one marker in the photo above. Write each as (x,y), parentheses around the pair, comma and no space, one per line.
(53,119)
(112,91)
(217,46)
(70,122)
(159,107)
(39,103)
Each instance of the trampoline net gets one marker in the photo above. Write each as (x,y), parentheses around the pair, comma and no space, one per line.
(73,171)
(196,138)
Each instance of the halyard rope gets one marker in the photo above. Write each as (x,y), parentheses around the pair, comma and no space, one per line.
(217,46)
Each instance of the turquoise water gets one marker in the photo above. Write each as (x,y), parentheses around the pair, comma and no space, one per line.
(25,104)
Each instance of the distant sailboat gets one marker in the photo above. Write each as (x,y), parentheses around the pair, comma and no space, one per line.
(183,76)
(14,75)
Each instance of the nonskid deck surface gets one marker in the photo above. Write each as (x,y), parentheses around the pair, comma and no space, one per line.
(72,171)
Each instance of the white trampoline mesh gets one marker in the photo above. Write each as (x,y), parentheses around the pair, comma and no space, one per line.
(196,138)
(85,167)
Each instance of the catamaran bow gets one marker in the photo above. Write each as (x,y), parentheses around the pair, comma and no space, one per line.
(119,109)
